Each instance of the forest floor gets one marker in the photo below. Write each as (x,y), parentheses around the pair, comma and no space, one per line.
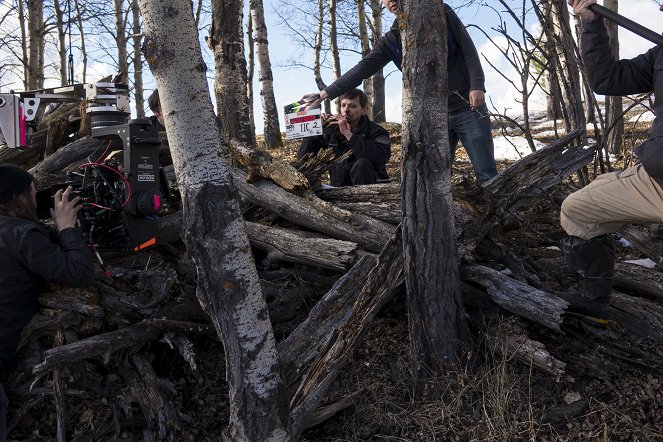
(493,397)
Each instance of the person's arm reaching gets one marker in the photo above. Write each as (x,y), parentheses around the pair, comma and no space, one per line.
(367,66)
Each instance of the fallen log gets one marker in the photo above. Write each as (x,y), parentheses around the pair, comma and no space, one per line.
(285,245)
(106,344)
(639,280)
(535,174)
(516,297)
(648,239)
(329,314)
(311,212)
(314,166)
(511,340)
(380,283)
(260,164)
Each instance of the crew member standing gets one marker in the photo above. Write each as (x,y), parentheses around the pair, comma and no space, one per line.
(467,113)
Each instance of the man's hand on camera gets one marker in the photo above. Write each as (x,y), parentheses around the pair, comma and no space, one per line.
(580,8)
(64,210)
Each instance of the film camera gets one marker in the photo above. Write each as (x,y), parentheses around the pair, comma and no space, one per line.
(122,196)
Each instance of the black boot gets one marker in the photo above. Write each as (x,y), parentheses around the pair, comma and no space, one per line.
(593,262)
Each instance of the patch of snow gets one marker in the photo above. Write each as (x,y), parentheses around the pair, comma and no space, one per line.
(513,148)
(641,118)
(624,242)
(648,263)
(553,248)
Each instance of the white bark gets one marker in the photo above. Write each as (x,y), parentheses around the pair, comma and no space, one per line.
(121,37)
(228,285)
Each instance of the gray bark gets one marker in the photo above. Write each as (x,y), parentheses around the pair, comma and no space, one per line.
(62,47)
(139,99)
(36,40)
(333,44)
(377,80)
(230,79)
(436,320)
(121,37)
(271,112)
(228,285)
(365,49)
(614,120)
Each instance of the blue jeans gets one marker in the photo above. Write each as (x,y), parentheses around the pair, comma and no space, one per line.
(472,128)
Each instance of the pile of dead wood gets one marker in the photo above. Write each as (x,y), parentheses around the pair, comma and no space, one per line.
(352,231)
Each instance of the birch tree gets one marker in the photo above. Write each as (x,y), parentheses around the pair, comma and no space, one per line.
(137,38)
(213,229)
(121,37)
(333,45)
(62,45)
(265,78)
(230,77)
(251,63)
(35,64)
(437,326)
(81,35)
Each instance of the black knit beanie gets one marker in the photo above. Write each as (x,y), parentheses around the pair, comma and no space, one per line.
(13,182)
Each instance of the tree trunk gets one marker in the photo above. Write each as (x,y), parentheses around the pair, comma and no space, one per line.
(249,74)
(228,285)
(333,43)
(377,80)
(436,322)
(139,100)
(614,121)
(121,38)
(365,49)
(269,108)
(317,49)
(568,64)
(24,43)
(79,23)
(35,78)
(62,45)
(227,41)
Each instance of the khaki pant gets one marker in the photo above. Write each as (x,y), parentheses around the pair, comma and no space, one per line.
(612,200)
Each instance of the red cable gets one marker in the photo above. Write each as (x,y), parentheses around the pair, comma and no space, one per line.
(114,171)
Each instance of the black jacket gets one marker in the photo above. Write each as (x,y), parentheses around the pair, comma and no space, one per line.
(30,255)
(369,141)
(641,74)
(463,64)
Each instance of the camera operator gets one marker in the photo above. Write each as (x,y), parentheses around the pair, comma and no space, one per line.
(31,254)
(352,130)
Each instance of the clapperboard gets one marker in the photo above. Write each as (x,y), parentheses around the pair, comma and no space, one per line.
(301,123)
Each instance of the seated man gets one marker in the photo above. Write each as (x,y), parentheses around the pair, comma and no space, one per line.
(351,130)
(31,254)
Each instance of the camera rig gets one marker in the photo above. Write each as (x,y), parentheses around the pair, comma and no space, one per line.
(121,197)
